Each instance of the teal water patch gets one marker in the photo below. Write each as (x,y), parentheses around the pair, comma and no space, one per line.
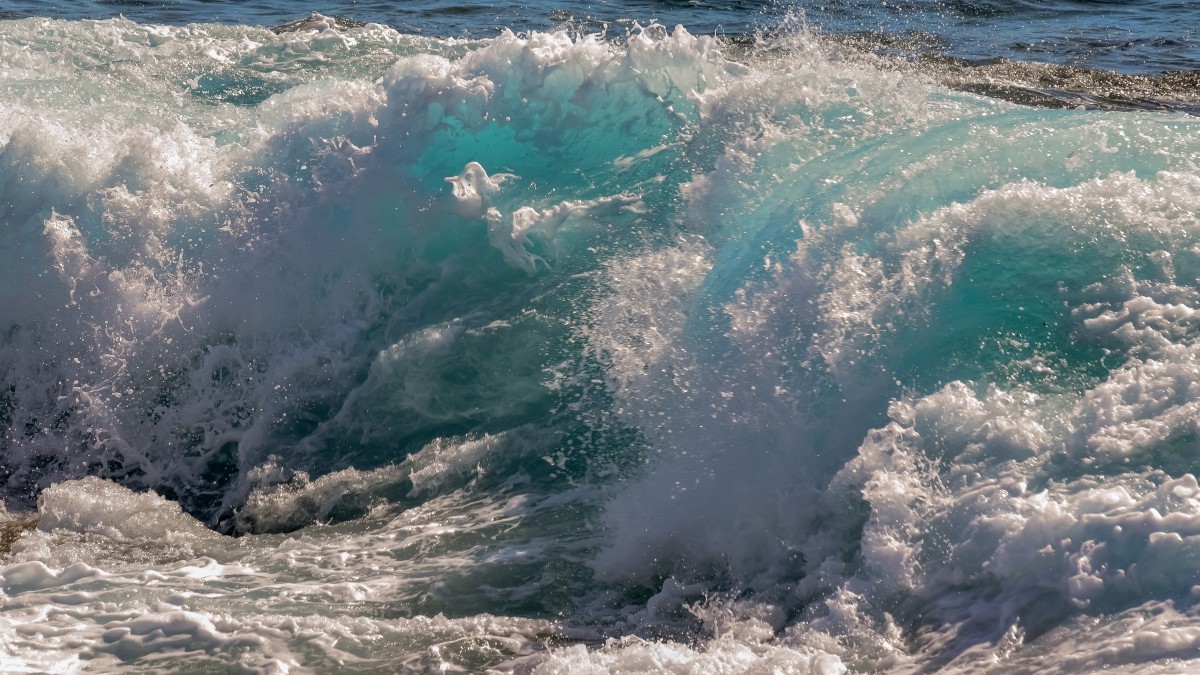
(237,88)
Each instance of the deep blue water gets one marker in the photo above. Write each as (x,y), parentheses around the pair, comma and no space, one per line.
(1129,36)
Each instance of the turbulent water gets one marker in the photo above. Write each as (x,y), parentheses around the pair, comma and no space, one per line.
(605,348)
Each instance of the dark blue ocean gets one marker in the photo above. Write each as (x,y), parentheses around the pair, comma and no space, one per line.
(1127,36)
(819,337)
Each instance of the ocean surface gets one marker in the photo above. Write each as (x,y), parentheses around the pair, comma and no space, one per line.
(833,336)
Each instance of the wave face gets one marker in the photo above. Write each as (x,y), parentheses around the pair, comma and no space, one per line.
(559,353)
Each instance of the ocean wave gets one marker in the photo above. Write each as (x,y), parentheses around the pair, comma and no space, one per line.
(557,352)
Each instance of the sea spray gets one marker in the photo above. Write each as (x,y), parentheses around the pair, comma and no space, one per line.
(557,352)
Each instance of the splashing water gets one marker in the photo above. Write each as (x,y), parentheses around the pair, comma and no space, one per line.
(557,352)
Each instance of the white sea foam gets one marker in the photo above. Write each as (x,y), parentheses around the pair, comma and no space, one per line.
(275,605)
(782,365)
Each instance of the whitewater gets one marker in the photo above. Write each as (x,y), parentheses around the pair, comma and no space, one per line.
(333,348)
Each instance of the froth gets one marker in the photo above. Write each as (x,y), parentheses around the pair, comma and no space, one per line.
(166,344)
(791,364)
(878,393)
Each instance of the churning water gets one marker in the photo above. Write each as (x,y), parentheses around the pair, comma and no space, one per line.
(859,339)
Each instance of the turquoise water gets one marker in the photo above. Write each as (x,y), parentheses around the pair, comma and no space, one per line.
(338,346)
